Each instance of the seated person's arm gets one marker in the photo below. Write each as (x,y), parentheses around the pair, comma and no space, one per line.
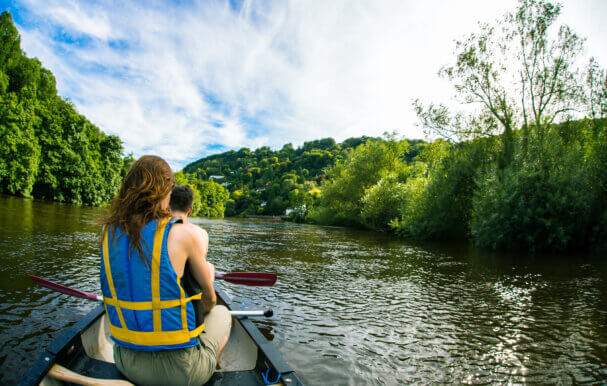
(203,271)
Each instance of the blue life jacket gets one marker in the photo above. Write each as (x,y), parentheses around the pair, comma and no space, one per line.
(146,305)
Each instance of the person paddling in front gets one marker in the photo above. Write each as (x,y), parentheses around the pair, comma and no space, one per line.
(144,252)
(182,199)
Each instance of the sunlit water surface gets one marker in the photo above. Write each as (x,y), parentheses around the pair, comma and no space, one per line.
(351,307)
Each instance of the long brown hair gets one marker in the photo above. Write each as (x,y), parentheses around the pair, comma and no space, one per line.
(139,199)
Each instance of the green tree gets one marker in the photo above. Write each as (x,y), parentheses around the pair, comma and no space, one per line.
(543,200)
(383,202)
(517,72)
(341,201)
(439,188)
(47,149)
(19,150)
(596,97)
(213,198)
(210,198)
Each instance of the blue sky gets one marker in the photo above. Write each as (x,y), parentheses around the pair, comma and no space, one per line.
(187,79)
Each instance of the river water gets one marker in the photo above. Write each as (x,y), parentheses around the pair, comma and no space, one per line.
(351,307)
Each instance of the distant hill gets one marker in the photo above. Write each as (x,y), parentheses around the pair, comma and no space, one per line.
(267,182)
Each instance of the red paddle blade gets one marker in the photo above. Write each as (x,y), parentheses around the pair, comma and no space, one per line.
(259,279)
(63,289)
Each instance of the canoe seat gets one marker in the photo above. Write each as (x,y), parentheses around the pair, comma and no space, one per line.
(103,370)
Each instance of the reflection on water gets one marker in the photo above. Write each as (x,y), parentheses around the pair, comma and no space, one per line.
(351,307)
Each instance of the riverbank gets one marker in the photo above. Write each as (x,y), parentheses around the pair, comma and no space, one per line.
(261,217)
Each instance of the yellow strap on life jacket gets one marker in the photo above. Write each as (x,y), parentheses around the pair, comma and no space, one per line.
(151,338)
(157,337)
(108,274)
(156,273)
(142,306)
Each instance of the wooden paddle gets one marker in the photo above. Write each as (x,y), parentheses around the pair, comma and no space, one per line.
(90,296)
(61,373)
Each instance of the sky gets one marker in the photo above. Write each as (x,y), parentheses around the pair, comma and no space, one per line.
(187,79)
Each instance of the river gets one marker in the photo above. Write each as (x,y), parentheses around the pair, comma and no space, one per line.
(351,306)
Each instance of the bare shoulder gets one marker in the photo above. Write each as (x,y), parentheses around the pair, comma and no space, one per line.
(188,230)
(197,231)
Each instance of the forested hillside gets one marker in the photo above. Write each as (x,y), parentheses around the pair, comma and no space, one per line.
(267,182)
(47,149)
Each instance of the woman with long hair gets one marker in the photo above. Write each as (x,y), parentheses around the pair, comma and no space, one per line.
(144,253)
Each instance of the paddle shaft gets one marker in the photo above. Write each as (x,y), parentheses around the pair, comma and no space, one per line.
(61,373)
(90,296)
(267,313)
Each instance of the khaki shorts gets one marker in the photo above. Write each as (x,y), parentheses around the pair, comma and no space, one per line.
(187,366)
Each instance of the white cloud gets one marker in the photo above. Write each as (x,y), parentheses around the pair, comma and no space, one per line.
(174,80)
(72,17)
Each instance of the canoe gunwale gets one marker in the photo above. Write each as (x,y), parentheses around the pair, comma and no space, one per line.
(268,356)
(270,352)
(50,354)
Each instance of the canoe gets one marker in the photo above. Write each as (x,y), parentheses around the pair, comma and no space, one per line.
(86,350)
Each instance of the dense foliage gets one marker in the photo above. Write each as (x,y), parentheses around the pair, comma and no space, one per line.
(47,149)
(439,190)
(507,176)
(267,182)
(552,195)
(209,197)
(359,188)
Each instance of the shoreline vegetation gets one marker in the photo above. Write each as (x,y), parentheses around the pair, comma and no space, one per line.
(47,150)
(522,167)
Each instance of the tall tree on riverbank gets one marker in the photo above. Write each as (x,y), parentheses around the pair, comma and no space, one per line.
(47,149)
(521,82)
(596,97)
(19,150)
(516,73)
